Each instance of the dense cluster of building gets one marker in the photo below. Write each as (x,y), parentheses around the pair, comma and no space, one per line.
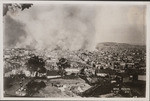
(126,61)
(117,63)
(116,57)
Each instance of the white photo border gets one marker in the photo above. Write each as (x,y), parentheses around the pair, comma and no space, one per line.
(79,2)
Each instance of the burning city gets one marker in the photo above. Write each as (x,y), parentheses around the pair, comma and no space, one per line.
(74,50)
(111,70)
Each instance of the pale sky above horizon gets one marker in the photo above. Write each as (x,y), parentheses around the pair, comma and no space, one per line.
(74,26)
(125,24)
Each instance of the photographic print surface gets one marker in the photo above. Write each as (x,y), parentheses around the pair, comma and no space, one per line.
(74,50)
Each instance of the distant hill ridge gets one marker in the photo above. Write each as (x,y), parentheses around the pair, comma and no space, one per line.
(115,44)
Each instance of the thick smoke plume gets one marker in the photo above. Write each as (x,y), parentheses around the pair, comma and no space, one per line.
(52,26)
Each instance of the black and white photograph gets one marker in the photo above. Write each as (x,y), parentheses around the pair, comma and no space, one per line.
(81,50)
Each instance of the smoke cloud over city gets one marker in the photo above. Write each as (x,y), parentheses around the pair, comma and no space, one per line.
(65,26)
(69,27)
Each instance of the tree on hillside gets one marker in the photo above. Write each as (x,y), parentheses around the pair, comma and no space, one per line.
(62,64)
(14,6)
(36,64)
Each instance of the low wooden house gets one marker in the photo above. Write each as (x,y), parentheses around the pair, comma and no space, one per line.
(125,77)
(53,74)
(69,71)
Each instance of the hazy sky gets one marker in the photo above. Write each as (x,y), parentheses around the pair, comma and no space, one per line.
(121,24)
(74,26)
